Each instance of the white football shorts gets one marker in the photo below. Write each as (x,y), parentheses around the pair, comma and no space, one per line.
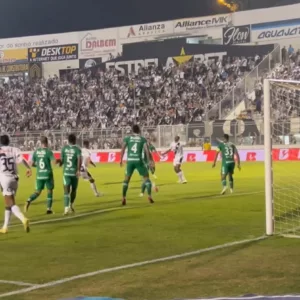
(177,161)
(9,185)
(84,174)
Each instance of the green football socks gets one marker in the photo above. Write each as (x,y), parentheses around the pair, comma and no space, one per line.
(49,199)
(143,187)
(125,188)
(67,200)
(33,197)
(148,186)
(73,196)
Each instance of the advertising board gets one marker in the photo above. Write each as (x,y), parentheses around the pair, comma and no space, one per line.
(272,31)
(39,41)
(145,31)
(190,24)
(98,43)
(13,56)
(57,53)
(176,51)
(234,35)
(13,69)
(251,155)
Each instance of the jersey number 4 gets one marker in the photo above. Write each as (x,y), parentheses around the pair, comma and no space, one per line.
(134,148)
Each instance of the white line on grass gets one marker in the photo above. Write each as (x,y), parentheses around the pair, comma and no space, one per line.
(66,218)
(101,211)
(251,297)
(21,283)
(129,266)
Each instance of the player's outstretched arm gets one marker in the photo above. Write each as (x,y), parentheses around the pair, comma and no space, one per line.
(60,161)
(79,161)
(32,163)
(238,158)
(147,152)
(52,158)
(27,166)
(166,152)
(92,163)
(216,158)
(122,153)
(155,151)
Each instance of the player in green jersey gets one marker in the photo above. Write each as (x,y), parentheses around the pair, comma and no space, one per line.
(41,159)
(152,149)
(136,145)
(71,160)
(228,152)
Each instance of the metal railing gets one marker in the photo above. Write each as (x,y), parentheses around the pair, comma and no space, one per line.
(245,86)
(246,132)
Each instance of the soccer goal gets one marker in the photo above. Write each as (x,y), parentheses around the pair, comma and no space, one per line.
(282,157)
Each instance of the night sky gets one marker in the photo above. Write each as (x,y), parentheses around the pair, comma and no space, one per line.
(33,17)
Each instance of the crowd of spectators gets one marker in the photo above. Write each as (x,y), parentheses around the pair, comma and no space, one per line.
(285,96)
(105,99)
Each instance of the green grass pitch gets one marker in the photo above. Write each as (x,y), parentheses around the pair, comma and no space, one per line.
(184,218)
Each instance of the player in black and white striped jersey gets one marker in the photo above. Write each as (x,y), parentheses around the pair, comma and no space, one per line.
(177,148)
(9,158)
(86,161)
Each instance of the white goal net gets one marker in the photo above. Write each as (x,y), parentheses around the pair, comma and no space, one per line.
(282,156)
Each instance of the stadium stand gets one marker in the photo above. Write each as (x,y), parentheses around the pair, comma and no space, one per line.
(153,96)
(93,99)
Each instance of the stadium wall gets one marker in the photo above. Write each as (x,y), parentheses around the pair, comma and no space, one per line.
(52,68)
(266,15)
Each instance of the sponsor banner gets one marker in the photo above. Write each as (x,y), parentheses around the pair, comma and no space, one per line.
(185,25)
(98,43)
(273,31)
(57,53)
(39,41)
(146,30)
(235,35)
(13,56)
(292,154)
(13,69)
(89,63)
(176,52)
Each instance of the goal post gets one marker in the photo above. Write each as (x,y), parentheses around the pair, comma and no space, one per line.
(268,159)
(282,156)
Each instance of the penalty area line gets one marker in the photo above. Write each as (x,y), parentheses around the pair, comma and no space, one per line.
(129,266)
(20,283)
(101,211)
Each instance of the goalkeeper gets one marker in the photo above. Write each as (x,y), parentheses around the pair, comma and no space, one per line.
(228,152)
